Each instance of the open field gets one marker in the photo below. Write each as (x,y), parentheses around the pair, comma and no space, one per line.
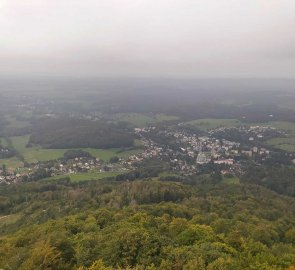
(141,120)
(211,123)
(11,163)
(287,126)
(86,176)
(3,142)
(36,153)
(287,144)
(230,180)
(9,219)
(138,142)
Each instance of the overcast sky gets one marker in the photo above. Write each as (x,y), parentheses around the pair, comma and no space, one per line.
(179,38)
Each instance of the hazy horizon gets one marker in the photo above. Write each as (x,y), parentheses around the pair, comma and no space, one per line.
(169,39)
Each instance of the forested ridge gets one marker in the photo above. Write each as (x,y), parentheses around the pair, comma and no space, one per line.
(76,133)
(278,178)
(146,224)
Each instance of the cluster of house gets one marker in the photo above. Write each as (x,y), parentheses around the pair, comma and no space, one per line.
(76,165)
(187,154)
(60,167)
(194,151)
(252,132)
(4,150)
(9,177)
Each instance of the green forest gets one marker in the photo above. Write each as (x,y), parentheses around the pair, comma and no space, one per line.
(145,224)
(75,133)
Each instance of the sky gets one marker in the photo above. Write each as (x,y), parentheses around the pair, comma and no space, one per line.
(148,38)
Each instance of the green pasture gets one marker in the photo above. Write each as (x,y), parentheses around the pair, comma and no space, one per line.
(138,142)
(37,153)
(283,125)
(3,142)
(230,180)
(287,144)
(11,163)
(9,219)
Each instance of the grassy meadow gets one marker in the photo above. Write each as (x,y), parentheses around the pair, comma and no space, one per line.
(11,163)
(230,180)
(288,143)
(9,219)
(283,125)
(37,153)
(3,142)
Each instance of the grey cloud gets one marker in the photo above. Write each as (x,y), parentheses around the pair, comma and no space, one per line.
(200,38)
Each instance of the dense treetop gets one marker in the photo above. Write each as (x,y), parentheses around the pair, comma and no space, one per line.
(146,224)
